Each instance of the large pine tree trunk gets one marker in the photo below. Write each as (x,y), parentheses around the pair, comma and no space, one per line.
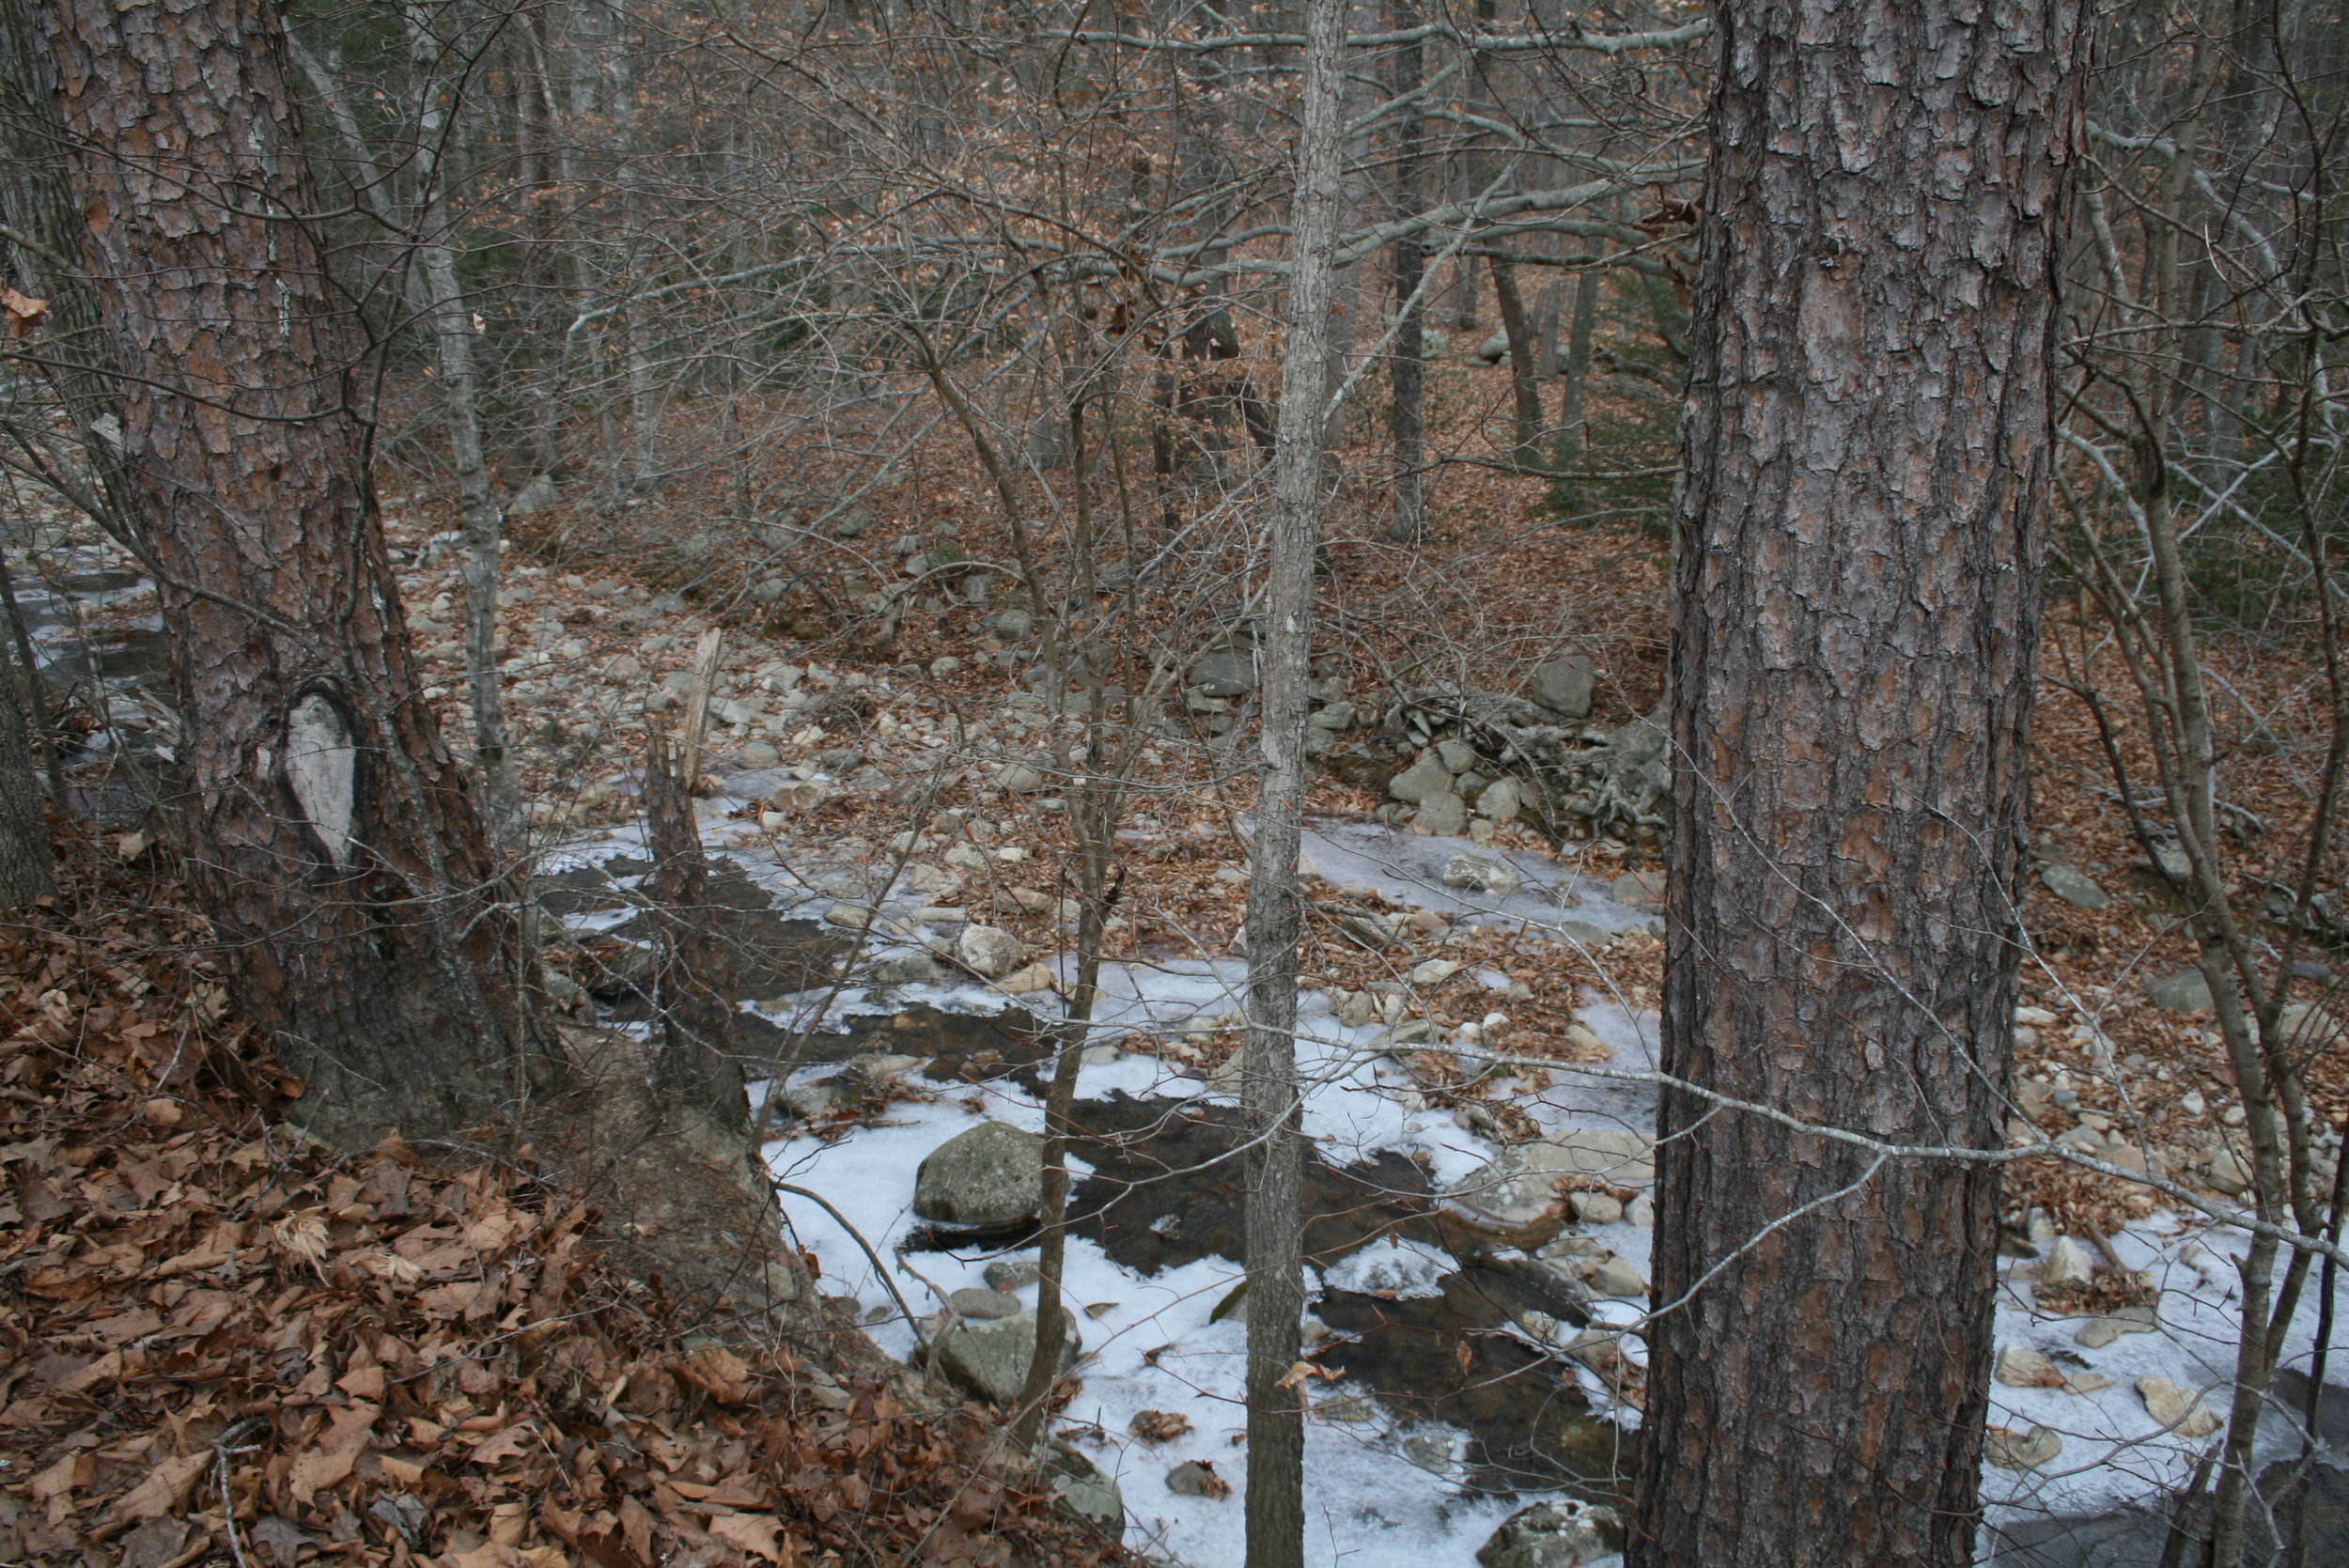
(337,848)
(1859,570)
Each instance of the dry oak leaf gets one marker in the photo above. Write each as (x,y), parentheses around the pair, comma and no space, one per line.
(720,1373)
(388,1266)
(164,1489)
(330,1458)
(1160,1426)
(107,1368)
(760,1533)
(512,1443)
(25,312)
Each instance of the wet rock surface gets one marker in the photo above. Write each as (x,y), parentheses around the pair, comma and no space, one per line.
(988,1178)
(990,1359)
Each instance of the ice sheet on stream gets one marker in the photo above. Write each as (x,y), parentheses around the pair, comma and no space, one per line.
(1376,1504)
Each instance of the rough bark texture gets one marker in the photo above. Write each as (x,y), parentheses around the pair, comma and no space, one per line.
(26,867)
(1867,439)
(336,846)
(44,261)
(1268,1092)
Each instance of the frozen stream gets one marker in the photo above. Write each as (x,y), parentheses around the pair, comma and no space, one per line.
(1397,1479)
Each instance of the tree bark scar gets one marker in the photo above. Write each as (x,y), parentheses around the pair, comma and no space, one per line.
(321,772)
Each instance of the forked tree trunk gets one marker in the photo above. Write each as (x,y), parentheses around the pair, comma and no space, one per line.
(1525,387)
(336,846)
(1269,1084)
(1858,574)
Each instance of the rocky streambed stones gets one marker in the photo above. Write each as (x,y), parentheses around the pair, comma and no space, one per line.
(989,951)
(990,1359)
(1517,1190)
(987,1178)
(1557,1533)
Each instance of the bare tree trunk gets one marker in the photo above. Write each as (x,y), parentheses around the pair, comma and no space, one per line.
(1408,523)
(45,251)
(1525,387)
(1268,1086)
(1858,574)
(460,399)
(25,868)
(699,1069)
(334,842)
(1577,367)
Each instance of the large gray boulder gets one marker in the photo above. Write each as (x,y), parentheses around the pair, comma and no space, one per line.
(1442,815)
(1563,684)
(990,1359)
(1558,1533)
(1425,777)
(1224,673)
(989,1176)
(2187,993)
(2074,886)
(990,951)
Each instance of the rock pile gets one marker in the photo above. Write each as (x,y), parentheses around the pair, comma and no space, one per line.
(1450,758)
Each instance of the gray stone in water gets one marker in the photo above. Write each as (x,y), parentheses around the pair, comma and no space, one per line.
(1481,874)
(982,1304)
(2098,1332)
(1563,684)
(1081,1489)
(1517,1191)
(1596,1208)
(1611,1276)
(2187,994)
(911,969)
(2068,1264)
(1011,1273)
(990,951)
(1443,813)
(1558,1533)
(2021,1451)
(991,1175)
(808,1101)
(2073,886)
(1425,777)
(1192,1479)
(990,1359)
